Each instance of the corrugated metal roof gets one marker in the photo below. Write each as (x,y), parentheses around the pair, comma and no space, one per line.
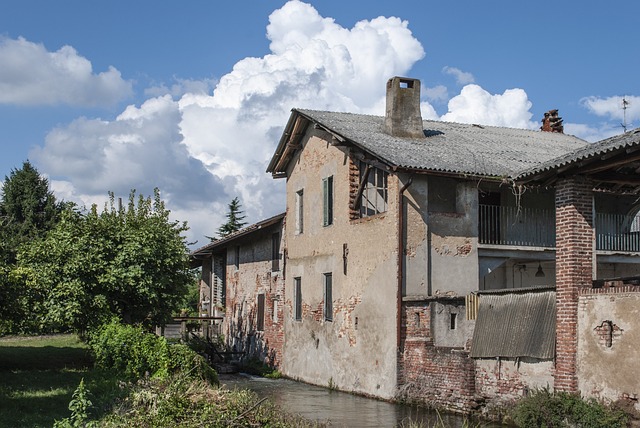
(450,147)
(516,325)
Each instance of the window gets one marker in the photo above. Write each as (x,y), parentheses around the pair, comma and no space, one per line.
(260,320)
(236,258)
(373,190)
(297,297)
(299,211)
(452,321)
(328,299)
(275,252)
(327,198)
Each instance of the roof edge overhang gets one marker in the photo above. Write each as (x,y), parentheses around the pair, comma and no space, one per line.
(222,243)
(598,161)
(288,144)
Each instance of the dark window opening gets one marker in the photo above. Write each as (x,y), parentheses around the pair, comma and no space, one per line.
(236,258)
(299,211)
(297,291)
(452,321)
(327,191)
(260,320)
(328,298)
(275,252)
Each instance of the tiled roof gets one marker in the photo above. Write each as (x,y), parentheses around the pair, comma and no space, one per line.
(450,147)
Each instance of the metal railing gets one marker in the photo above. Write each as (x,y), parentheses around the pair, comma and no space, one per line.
(617,232)
(531,227)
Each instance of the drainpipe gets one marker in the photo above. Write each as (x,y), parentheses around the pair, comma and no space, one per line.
(400,257)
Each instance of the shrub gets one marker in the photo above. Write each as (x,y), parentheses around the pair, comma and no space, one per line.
(137,354)
(543,408)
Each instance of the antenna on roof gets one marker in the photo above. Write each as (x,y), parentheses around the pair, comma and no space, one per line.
(625,106)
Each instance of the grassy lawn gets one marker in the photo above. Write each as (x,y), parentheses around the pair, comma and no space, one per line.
(38,376)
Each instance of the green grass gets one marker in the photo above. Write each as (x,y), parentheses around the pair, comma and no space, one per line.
(38,376)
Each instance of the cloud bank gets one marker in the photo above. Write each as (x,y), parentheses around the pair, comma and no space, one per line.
(30,75)
(204,142)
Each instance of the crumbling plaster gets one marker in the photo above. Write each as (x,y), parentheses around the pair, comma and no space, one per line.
(608,372)
(354,358)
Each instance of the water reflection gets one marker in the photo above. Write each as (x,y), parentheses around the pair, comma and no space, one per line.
(338,408)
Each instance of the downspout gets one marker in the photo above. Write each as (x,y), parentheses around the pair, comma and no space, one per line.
(400,259)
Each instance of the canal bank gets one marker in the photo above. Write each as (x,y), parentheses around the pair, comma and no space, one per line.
(340,409)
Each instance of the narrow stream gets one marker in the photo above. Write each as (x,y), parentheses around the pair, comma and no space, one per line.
(338,408)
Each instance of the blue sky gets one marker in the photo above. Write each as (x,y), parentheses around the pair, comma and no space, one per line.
(191,96)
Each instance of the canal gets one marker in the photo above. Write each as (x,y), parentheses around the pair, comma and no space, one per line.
(338,408)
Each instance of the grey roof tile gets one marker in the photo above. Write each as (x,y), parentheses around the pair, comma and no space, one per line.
(450,147)
(626,140)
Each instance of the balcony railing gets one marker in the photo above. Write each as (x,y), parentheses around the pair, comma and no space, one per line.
(531,227)
(617,232)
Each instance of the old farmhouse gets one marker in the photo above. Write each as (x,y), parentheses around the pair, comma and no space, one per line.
(455,264)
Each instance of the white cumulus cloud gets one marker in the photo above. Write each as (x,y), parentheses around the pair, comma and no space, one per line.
(31,75)
(612,107)
(476,105)
(462,77)
(204,149)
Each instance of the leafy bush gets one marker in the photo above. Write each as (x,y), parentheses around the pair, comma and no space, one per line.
(137,354)
(543,408)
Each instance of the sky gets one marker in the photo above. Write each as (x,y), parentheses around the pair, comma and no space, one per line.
(191,97)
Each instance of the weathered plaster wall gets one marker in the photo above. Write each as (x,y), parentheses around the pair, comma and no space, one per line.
(608,343)
(416,255)
(453,238)
(357,350)
(254,276)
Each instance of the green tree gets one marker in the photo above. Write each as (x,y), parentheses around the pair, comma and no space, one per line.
(234,219)
(131,263)
(28,209)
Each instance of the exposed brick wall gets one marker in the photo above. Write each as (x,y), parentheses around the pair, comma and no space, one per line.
(574,258)
(253,277)
(436,376)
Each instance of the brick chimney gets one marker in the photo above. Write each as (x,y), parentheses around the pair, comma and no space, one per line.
(552,122)
(403,117)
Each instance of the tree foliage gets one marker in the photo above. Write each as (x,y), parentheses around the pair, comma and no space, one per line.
(131,263)
(28,209)
(234,219)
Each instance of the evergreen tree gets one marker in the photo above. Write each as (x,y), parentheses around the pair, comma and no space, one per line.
(28,209)
(234,219)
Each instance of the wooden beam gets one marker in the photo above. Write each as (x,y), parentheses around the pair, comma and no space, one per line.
(363,182)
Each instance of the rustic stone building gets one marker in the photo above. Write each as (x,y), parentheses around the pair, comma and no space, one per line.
(454,264)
